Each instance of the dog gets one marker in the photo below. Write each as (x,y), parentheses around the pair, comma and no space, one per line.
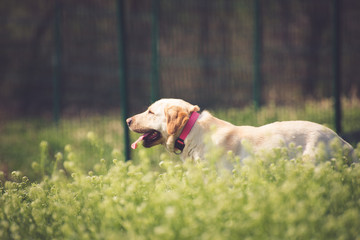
(166,120)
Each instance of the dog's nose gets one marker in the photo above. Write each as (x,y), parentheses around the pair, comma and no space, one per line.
(129,121)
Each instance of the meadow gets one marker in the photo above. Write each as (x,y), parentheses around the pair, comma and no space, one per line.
(71,182)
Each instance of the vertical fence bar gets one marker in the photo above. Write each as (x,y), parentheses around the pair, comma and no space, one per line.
(57,68)
(336,85)
(257,55)
(155,51)
(123,73)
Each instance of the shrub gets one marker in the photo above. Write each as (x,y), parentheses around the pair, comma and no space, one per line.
(267,196)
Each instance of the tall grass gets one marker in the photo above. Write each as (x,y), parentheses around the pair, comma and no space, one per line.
(267,196)
(19,139)
(71,182)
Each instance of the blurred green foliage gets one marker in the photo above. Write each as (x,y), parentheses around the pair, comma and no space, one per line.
(266,196)
(20,139)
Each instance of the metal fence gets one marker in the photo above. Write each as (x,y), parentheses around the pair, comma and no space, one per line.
(63,57)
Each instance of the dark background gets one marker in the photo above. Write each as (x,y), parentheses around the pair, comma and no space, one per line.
(205,53)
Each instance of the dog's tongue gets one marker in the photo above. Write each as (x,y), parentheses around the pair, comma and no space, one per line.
(135,144)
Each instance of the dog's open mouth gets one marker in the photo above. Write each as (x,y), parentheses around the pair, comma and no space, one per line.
(149,139)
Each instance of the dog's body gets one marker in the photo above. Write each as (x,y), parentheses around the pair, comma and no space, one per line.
(163,122)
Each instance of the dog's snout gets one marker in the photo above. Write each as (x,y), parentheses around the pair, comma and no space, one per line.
(129,121)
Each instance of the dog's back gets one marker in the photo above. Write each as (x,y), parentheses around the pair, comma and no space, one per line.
(312,137)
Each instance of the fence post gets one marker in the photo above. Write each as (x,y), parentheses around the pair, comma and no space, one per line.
(57,68)
(336,85)
(155,51)
(122,73)
(257,55)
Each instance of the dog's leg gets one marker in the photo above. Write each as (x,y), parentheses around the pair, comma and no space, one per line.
(170,143)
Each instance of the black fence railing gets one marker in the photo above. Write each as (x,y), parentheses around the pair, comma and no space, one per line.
(119,54)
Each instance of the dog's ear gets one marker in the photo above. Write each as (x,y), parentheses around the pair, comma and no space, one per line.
(176,118)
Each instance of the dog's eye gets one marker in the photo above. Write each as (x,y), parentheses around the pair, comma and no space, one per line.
(150,112)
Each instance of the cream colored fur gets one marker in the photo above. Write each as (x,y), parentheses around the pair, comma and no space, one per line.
(241,140)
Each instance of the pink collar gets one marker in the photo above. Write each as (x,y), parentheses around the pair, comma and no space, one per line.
(179,143)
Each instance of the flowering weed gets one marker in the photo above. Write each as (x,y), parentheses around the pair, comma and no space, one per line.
(267,196)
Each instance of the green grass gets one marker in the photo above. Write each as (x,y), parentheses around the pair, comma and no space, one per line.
(266,197)
(71,182)
(320,112)
(20,139)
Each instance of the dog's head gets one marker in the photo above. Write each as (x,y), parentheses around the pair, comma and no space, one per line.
(162,122)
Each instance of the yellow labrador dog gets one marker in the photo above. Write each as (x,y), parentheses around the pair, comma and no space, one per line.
(176,124)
